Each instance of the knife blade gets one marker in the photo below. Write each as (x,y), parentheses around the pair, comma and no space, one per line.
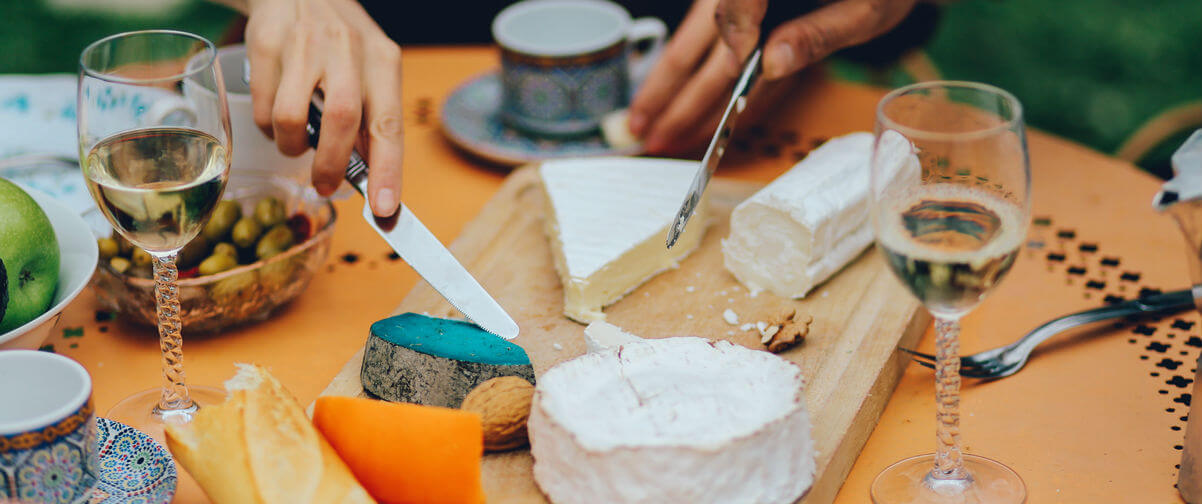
(776,14)
(717,147)
(425,254)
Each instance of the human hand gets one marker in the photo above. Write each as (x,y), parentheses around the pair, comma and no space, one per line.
(298,46)
(681,101)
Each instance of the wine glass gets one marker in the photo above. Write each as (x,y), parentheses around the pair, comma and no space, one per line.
(155,157)
(950,206)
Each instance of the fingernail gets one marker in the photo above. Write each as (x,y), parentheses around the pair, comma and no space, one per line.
(780,61)
(385,202)
(323,188)
(636,122)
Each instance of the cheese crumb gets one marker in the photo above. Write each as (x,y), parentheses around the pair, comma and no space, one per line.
(722,293)
(826,293)
(730,333)
(689,316)
(731,317)
(557,346)
(730,300)
(747,327)
(760,326)
(753,293)
(690,289)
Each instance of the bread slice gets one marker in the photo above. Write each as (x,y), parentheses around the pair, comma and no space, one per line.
(259,447)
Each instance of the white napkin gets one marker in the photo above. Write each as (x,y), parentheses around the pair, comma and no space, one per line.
(37,125)
(1186,183)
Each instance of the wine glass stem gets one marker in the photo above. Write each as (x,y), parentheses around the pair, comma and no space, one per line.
(166,295)
(949,463)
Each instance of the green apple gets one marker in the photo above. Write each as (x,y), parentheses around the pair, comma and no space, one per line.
(29,252)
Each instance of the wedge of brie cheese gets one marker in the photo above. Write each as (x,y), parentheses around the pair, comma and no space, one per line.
(672,420)
(810,222)
(607,219)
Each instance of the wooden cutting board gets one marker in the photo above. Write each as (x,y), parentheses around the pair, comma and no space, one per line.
(849,359)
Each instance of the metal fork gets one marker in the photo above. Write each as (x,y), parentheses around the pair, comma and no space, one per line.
(1009,359)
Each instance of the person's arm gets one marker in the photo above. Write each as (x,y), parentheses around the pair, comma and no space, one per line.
(298,46)
(678,106)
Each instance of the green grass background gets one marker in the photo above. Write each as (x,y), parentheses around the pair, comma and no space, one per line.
(1089,70)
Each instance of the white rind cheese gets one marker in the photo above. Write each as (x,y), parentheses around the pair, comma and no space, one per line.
(672,420)
(810,222)
(607,219)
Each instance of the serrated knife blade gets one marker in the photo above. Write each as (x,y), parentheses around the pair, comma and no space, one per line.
(424,253)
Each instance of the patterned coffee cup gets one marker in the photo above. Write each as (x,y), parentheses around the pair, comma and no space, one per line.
(47,429)
(565,64)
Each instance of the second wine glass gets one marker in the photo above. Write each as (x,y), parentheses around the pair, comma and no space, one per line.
(950,191)
(156,158)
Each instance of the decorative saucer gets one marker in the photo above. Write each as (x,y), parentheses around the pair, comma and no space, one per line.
(471,120)
(133,468)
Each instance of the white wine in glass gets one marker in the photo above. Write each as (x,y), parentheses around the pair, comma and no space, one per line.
(157,185)
(156,163)
(950,234)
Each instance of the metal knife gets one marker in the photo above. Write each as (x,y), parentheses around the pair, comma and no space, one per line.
(774,17)
(424,253)
(717,147)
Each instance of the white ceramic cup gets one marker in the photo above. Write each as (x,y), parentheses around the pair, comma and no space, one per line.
(253,153)
(565,64)
(48,449)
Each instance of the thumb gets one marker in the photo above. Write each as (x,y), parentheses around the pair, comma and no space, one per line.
(739,24)
(814,36)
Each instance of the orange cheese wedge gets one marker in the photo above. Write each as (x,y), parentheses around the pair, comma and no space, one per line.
(406,453)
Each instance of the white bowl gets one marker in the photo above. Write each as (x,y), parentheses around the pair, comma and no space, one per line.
(77,261)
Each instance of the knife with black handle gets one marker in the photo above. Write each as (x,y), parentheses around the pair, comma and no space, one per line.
(422,250)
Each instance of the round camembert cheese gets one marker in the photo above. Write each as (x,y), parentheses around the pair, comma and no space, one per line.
(672,420)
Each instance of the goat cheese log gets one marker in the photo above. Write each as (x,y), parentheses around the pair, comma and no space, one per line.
(672,420)
(812,221)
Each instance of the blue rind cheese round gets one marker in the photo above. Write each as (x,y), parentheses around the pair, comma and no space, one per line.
(436,362)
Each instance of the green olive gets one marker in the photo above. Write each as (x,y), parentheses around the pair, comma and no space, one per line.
(141,257)
(246,232)
(124,247)
(119,264)
(224,216)
(226,248)
(269,212)
(140,271)
(108,248)
(217,263)
(276,240)
(193,252)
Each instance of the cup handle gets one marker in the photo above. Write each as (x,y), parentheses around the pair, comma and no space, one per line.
(645,29)
(172,111)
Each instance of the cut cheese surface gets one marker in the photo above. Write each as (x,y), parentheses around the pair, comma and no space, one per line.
(666,420)
(607,219)
(601,335)
(810,222)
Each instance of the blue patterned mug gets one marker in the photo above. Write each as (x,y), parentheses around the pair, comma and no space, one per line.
(565,64)
(47,429)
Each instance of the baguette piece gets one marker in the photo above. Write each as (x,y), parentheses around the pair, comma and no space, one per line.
(259,447)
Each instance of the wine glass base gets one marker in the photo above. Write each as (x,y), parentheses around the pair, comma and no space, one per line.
(140,410)
(909,482)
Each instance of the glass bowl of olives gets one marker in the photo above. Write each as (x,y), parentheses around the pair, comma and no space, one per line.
(260,248)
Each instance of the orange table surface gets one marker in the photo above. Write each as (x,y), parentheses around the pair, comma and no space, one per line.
(1097,416)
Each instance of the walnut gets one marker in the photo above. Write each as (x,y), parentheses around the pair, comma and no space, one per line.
(504,406)
(786,331)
